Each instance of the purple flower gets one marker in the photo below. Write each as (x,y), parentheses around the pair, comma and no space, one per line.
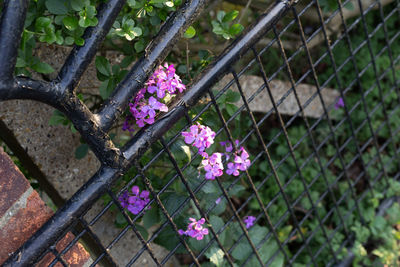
(128,124)
(146,112)
(228,145)
(195,229)
(123,199)
(213,166)
(218,200)
(201,136)
(232,169)
(240,161)
(164,79)
(159,89)
(339,103)
(249,221)
(136,201)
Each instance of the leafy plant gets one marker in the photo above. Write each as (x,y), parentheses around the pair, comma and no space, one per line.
(222,26)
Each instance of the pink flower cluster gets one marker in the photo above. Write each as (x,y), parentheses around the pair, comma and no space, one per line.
(213,165)
(240,160)
(163,84)
(195,229)
(202,137)
(134,202)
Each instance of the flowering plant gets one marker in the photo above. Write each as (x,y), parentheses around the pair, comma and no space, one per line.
(231,159)
(163,85)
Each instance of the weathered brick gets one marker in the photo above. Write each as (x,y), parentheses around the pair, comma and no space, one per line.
(12,183)
(23,224)
(75,257)
(23,212)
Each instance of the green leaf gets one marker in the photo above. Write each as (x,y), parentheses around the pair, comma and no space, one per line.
(42,22)
(79,41)
(59,38)
(155,20)
(217,29)
(230,16)
(142,231)
(169,3)
(90,11)
(137,31)
(71,23)
(210,188)
(57,118)
(181,151)
(78,5)
(103,66)
(81,151)
(267,250)
(349,6)
(236,29)
(168,239)
(115,69)
(131,3)
(106,88)
(190,32)
(120,220)
(73,129)
(243,249)
(58,7)
(216,256)
(139,46)
(151,217)
(69,40)
(42,67)
(217,223)
(20,63)
(127,61)
(230,108)
(232,96)
(220,15)
(173,201)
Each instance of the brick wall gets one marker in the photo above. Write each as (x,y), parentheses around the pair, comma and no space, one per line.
(22,212)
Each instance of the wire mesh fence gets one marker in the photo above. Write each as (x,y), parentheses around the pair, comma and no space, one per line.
(315,181)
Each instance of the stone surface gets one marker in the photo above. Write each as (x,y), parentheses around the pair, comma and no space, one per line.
(262,103)
(129,245)
(52,148)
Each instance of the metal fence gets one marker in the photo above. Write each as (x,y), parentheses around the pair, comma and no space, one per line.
(249,54)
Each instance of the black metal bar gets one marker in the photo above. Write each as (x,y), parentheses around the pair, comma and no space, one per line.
(377,78)
(94,128)
(155,54)
(81,56)
(84,121)
(11,27)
